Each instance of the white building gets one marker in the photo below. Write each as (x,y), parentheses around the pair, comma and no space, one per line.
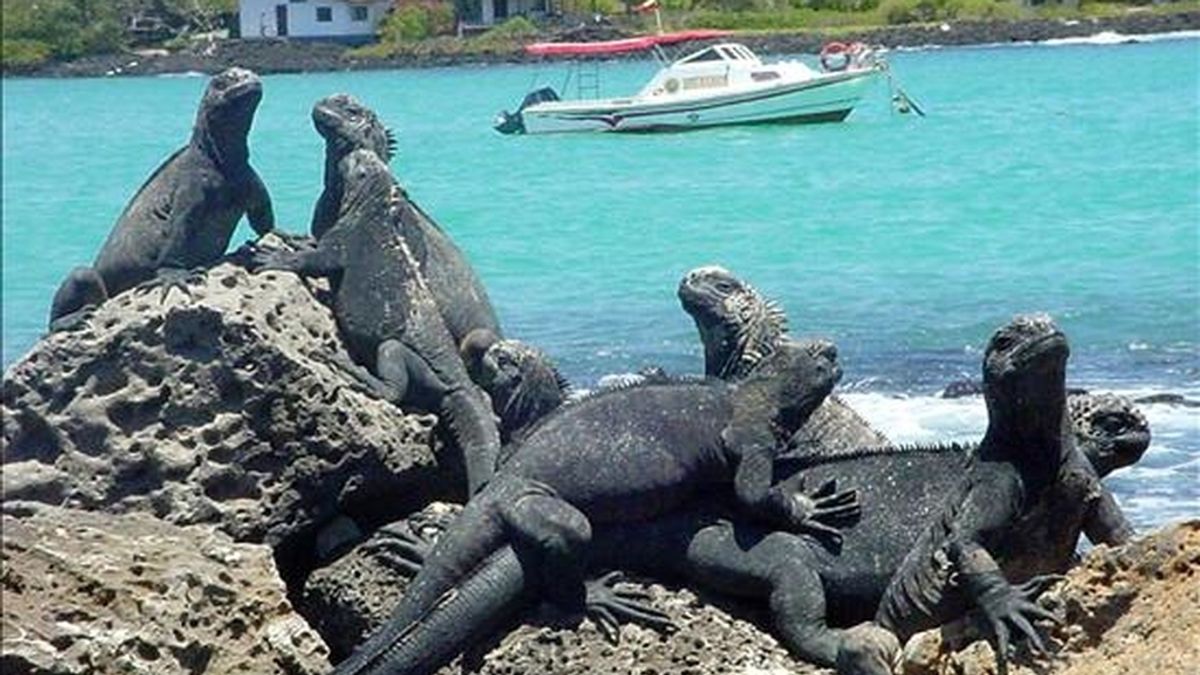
(350,20)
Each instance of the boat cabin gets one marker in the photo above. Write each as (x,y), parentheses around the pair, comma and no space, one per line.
(719,66)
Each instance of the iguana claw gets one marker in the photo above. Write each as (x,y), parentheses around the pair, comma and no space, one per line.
(174,278)
(822,512)
(1014,606)
(263,260)
(401,547)
(607,605)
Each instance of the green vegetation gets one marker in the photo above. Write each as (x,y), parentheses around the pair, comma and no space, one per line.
(776,15)
(36,30)
(506,37)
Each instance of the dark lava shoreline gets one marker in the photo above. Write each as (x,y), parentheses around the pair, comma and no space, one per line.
(284,56)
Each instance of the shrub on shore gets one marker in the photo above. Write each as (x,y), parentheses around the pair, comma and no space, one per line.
(34,31)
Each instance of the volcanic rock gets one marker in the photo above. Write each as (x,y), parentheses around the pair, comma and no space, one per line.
(101,593)
(234,404)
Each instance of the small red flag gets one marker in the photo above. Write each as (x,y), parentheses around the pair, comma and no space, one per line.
(647,6)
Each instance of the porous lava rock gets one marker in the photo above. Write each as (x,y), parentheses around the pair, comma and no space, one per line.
(233,404)
(1134,608)
(354,595)
(1127,609)
(92,592)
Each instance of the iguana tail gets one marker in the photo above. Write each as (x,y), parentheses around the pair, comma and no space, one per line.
(461,617)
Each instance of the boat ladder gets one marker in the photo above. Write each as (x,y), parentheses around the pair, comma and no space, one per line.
(587,80)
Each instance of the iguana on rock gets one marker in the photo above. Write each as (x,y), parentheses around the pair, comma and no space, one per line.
(622,456)
(520,379)
(387,313)
(183,216)
(347,125)
(739,328)
(1025,495)
(809,588)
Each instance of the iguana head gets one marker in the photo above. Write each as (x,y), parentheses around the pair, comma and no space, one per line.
(369,188)
(348,125)
(738,327)
(228,108)
(1024,371)
(1109,430)
(522,381)
(788,385)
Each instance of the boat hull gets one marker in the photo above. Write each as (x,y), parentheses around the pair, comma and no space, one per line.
(829,98)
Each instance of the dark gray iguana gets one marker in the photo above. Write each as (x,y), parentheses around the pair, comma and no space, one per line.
(621,456)
(387,314)
(183,216)
(347,125)
(521,381)
(810,588)
(739,328)
(1025,495)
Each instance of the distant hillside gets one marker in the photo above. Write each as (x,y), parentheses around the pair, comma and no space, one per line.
(35,31)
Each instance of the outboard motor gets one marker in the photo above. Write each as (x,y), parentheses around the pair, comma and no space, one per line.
(514,123)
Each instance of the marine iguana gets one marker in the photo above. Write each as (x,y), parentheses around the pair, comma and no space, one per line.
(183,216)
(387,313)
(623,456)
(1025,495)
(520,379)
(808,587)
(738,328)
(347,125)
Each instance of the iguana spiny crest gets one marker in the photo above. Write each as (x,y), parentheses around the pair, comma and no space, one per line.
(738,326)
(1110,430)
(347,125)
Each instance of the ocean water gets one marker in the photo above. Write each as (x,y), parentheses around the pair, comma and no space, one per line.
(1063,179)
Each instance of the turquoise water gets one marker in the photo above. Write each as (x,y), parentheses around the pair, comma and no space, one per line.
(1063,179)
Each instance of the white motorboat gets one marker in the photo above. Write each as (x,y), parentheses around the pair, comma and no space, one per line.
(721,84)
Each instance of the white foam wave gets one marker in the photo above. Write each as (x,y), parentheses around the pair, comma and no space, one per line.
(1109,37)
(918,419)
(921,419)
(1102,38)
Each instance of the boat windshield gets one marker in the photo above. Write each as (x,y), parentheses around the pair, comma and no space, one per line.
(725,52)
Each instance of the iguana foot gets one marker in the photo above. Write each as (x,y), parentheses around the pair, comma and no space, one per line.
(174,278)
(1008,607)
(362,377)
(300,242)
(868,649)
(607,605)
(265,260)
(73,320)
(402,547)
(822,512)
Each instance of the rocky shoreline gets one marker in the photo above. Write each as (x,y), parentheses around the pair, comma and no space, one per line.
(284,56)
(196,484)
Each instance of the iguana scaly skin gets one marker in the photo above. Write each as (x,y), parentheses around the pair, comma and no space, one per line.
(627,455)
(520,379)
(1025,495)
(810,589)
(388,315)
(183,216)
(739,328)
(347,125)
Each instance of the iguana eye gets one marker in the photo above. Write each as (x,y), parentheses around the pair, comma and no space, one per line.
(1003,342)
(1111,423)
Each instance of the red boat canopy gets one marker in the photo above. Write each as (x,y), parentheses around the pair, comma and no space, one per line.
(633,44)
